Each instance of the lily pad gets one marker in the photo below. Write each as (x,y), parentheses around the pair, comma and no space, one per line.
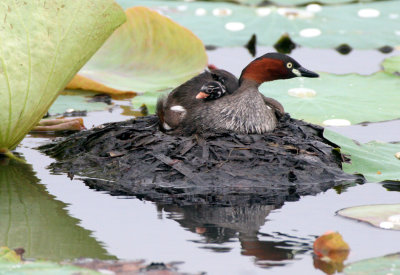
(43,268)
(377,161)
(149,99)
(351,97)
(288,2)
(8,255)
(43,44)
(303,2)
(76,101)
(386,216)
(149,52)
(392,65)
(389,264)
(227,24)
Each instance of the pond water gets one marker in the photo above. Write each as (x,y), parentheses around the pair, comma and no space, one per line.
(55,217)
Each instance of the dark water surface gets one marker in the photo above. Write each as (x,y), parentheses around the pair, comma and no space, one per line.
(54,217)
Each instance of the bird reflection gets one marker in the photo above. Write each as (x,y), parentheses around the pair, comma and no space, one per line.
(219,226)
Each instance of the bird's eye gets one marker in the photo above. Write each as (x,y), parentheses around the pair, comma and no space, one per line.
(289,65)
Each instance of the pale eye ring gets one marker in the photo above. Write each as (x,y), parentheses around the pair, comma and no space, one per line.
(289,65)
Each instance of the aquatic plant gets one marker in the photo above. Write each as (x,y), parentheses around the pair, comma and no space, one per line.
(43,44)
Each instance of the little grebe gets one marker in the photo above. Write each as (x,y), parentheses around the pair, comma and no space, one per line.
(243,110)
(184,99)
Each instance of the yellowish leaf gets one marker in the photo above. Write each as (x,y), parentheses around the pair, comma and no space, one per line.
(80,82)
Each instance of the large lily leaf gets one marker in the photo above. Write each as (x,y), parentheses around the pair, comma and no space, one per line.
(350,97)
(361,25)
(149,52)
(43,44)
(389,264)
(377,161)
(386,216)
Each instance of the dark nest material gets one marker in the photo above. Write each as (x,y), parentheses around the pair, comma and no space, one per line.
(134,158)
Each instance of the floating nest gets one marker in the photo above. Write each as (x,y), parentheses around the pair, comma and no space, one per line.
(135,158)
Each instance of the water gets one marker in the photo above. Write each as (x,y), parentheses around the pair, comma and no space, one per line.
(54,217)
(362,62)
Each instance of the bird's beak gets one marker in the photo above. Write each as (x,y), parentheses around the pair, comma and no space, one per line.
(201,95)
(306,73)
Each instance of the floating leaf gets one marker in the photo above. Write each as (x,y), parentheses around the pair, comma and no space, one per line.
(76,101)
(386,216)
(43,268)
(351,97)
(8,255)
(331,251)
(80,82)
(312,26)
(149,52)
(389,265)
(392,65)
(149,99)
(329,243)
(287,2)
(302,2)
(375,160)
(33,219)
(43,44)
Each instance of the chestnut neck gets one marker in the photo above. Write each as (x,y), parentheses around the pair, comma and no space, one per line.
(262,70)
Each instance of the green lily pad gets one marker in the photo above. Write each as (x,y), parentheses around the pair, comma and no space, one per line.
(303,2)
(392,65)
(43,44)
(386,216)
(389,265)
(44,268)
(247,2)
(351,97)
(149,99)
(77,101)
(8,255)
(377,161)
(362,26)
(33,219)
(288,2)
(149,52)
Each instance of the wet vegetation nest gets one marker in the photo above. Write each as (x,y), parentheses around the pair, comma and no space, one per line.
(135,158)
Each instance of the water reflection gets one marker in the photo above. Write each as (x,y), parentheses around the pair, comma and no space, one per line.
(31,218)
(219,226)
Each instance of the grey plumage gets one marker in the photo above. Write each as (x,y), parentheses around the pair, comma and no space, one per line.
(244,111)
